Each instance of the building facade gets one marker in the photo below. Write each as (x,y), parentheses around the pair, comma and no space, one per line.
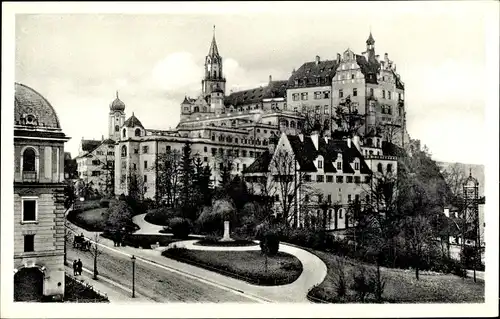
(316,178)
(38,198)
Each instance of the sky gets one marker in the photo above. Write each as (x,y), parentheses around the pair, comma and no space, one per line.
(79,61)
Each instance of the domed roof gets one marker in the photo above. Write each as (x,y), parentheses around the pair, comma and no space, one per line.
(133,122)
(32,109)
(117,104)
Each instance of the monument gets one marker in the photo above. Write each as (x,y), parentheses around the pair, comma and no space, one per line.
(226,236)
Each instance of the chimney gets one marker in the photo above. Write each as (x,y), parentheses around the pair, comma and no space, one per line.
(270,78)
(102,137)
(338,57)
(355,141)
(314,138)
(447,212)
(317,60)
(301,137)
(349,142)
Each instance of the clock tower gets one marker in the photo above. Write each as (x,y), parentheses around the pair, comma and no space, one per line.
(214,79)
(116,118)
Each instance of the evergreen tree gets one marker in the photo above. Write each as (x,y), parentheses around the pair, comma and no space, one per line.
(187,178)
(208,184)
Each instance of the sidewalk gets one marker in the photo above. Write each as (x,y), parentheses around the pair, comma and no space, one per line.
(115,292)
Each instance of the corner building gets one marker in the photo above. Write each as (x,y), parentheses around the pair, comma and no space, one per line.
(38,198)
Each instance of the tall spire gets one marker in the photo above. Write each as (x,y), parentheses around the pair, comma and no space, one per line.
(117,94)
(370,40)
(213,46)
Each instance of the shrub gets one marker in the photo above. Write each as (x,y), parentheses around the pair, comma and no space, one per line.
(104,203)
(161,216)
(181,227)
(269,238)
(118,216)
(362,284)
(211,220)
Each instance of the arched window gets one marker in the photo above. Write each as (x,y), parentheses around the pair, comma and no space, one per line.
(379,167)
(196,108)
(236,140)
(124,134)
(117,128)
(264,142)
(292,124)
(124,150)
(299,125)
(369,142)
(258,142)
(137,132)
(286,123)
(389,168)
(29,160)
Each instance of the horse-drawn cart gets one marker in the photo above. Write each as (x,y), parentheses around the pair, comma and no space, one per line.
(81,243)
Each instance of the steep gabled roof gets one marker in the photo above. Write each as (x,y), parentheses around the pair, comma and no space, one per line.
(274,89)
(315,74)
(90,145)
(133,122)
(261,164)
(391,149)
(369,68)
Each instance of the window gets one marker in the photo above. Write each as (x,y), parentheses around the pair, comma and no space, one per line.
(205,149)
(339,165)
(244,166)
(251,153)
(96,162)
(341,93)
(349,198)
(318,109)
(135,166)
(136,151)
(29,159)
(329,178)
(356,165)
(111,153)
(320,178)
(340,179)
(389,95)
(353,76)
(295,96)
(236,140)
(221,166)
(29,210)
(356,198)
(320,164)
(237,167)
(205,159)
(304,96)
(145,178)
(99,153)
(371,92)
(320,198)
(145,164)
(326,94)
(213,137)
(307,178)
(340,213)
(145,149)
(214,151)
(29,243)
(168,148)
(124,150)
(117,128)
(326,109)
(329,198)
(137,132)
(348,179)
(124,134)
(96,173)
(367,179)
(306,198)
(110,164)
(317,95)
(383,94)
(244,153)
(357,179)
(354,92)
(379,167)
(237,153)
(389,168)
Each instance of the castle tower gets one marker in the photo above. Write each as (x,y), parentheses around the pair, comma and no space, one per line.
(214,78)
(370,43)
(217,101)
(116,118)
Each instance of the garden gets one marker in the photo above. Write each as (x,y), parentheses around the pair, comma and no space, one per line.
(76,291)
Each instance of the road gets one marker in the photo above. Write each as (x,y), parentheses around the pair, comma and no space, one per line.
(153,282)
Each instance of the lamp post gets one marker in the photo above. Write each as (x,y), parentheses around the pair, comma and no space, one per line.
(133,276)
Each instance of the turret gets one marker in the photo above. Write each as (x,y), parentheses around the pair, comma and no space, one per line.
(214,78)
(116,117)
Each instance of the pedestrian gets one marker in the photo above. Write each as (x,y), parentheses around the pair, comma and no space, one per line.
(75,270)
(79,266)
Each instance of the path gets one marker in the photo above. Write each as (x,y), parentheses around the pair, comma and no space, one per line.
(146,228)
(314,270)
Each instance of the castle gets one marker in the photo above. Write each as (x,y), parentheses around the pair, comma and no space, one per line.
(241,126)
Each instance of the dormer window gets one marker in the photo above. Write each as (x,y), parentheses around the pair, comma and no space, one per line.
(339,165)
(320,164)
(356,166)
(30,119)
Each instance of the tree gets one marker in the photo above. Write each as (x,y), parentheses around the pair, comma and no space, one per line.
(118,216)
(135,186)
(95,252)
(169,172)
(418,237)
(107,175)
(287,185)
(202,182)
(347,118)
(224,165)
(186,182)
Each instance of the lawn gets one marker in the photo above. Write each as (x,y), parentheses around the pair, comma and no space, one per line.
(401,285)
(91,220)
(244,265)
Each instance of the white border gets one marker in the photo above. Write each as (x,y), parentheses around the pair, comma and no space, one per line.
(8,309)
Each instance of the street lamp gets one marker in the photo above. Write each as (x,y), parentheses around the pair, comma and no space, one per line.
(133,276)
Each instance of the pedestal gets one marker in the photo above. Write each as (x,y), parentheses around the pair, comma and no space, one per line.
(226,236)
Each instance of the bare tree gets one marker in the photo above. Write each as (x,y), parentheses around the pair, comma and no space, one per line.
(168,166)
(288,184)
(95,252)
(347,118)
(107,175)
(418,236)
